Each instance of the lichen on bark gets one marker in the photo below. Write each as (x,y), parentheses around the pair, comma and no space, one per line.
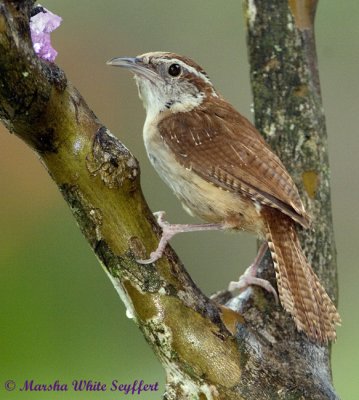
(289,113)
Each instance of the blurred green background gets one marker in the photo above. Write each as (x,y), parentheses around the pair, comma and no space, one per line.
(60,317)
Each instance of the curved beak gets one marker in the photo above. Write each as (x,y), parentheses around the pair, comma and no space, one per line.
(137,66)
(125,62)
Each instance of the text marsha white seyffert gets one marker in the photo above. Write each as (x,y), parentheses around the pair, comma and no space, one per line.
(82,385)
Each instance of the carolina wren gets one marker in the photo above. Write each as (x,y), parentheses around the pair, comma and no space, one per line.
(222,170)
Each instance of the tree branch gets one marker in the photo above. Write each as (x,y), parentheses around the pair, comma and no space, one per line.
(247,349)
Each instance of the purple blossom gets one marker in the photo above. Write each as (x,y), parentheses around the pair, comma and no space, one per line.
(41,25)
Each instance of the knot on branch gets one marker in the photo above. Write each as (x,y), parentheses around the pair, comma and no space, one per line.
(112,161)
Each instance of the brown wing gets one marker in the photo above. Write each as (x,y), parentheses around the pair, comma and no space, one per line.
(223,147)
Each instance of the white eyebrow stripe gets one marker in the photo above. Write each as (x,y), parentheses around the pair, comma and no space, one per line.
(190,69)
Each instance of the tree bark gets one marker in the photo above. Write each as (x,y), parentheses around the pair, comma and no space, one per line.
(244,347)
(289,112)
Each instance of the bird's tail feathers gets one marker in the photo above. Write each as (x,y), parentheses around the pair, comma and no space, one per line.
(300,291)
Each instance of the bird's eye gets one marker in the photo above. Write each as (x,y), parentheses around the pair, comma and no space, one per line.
(174,70)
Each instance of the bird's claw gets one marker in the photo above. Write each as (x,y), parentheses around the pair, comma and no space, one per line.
(247,279)
(154,256)
(166,235)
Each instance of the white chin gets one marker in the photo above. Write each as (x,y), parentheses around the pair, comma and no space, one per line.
(150,96)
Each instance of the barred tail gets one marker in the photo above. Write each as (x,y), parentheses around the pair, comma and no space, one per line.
(300,290)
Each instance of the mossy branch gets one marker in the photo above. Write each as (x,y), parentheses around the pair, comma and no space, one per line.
(209,350)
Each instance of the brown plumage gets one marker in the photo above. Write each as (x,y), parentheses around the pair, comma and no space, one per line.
(221,169)
(300,290)
(239,161)
(223,147)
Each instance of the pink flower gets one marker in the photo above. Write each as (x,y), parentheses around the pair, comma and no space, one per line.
(41,25)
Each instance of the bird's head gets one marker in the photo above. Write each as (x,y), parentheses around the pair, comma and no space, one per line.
(167,81)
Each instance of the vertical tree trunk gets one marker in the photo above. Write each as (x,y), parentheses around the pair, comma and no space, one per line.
(289,112)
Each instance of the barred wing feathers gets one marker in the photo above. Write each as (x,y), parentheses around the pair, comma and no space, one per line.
(224,148)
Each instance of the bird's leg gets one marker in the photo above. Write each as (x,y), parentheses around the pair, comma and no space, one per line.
(249,276)
(169,230)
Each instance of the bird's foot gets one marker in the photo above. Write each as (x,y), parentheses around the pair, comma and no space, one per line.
(170,230)
(249,277)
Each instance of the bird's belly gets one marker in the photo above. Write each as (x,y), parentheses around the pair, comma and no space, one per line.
(202,198)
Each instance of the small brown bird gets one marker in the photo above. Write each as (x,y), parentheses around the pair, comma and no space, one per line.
(222,170)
